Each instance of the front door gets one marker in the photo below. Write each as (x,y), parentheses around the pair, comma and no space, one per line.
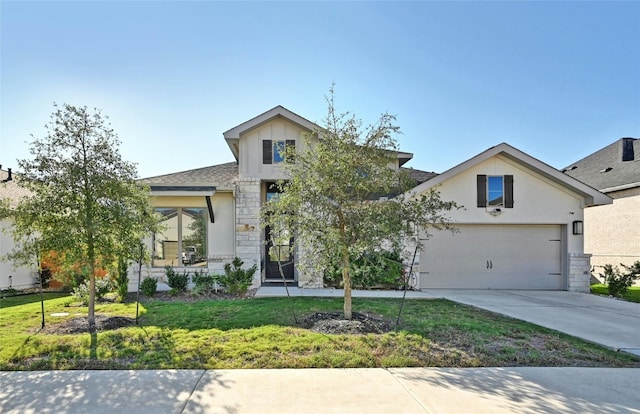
(279,256)
(279,247)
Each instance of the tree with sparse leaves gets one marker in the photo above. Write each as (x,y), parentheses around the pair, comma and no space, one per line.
(343,197)
(84,202)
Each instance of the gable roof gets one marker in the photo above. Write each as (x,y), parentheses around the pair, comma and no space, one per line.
(591,196)
(614,167)
(232,136)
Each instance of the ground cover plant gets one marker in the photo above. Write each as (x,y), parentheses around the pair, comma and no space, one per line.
(263,333)
(632,294)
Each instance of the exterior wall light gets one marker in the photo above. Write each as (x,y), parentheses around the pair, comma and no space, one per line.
(578,227)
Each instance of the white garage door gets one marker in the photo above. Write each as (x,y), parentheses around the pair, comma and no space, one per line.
(493,257)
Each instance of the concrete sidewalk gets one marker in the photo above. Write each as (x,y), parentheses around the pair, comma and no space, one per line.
(401,390)
(601,320)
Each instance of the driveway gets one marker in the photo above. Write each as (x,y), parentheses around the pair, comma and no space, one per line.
(606,321)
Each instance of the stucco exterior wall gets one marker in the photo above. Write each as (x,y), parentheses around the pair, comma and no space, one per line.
(612,232)
(537,200)
(21,276)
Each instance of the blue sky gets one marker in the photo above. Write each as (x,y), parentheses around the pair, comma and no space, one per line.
(558,80)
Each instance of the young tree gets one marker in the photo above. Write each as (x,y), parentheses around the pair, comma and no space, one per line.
(84,202)
(343,198)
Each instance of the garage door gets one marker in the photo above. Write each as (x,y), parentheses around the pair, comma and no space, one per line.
(493,257)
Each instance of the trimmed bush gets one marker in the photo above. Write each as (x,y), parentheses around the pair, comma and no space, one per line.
(237,280)
(178,282)
(81,293)
(149,286)
(204,283)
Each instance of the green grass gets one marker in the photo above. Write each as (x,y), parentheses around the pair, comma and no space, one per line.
(632,295)
(262,333)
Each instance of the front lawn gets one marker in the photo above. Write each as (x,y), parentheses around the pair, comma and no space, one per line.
(262,333)
(632,295)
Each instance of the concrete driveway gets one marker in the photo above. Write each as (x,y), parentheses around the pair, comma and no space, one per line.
(605,321)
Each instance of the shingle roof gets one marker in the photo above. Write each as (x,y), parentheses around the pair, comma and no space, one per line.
(224,175)
(420,176)
(221,175)
(11,190)
(606,170)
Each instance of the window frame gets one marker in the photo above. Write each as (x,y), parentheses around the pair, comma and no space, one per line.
(273,151)
(180,231)
(483,192)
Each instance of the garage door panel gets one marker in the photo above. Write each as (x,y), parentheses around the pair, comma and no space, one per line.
(493,257)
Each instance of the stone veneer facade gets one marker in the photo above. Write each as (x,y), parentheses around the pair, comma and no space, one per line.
(248,235)
(579,273)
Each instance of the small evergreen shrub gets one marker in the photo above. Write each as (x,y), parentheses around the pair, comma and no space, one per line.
(178,282)
(204,283)
(237,280)
(377,269)
(81,292)
(617,282)
(149,286)
(121,280)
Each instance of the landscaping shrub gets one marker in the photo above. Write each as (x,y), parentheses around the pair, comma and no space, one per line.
(178,282)
(121,280)
(237,280)
(81,292)
(618,282)
(204,283)
(149,286)
(377,269)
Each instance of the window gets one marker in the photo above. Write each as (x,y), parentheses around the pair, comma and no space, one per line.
(183,242)
(273,152)
(495,191)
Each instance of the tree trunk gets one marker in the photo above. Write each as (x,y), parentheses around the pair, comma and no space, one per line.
(346,280)
(91,317)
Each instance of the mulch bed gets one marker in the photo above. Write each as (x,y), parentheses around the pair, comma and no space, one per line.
(334,323)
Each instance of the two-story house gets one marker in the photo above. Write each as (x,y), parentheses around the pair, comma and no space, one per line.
(521,226)
(612,231)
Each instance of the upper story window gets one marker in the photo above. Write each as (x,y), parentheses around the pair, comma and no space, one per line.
(273,151)
(495,191)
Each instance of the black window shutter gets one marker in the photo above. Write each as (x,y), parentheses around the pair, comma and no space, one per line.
(508,191)
(267,148)
(482,190)
(291,146)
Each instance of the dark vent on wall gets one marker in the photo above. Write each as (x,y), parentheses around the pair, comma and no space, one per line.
(606,170)
(627,149)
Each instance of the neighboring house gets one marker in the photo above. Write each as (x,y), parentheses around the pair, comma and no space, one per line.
(10,276)
(612,232)
(516,230)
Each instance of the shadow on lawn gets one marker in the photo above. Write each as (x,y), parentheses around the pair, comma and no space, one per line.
(7,301)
